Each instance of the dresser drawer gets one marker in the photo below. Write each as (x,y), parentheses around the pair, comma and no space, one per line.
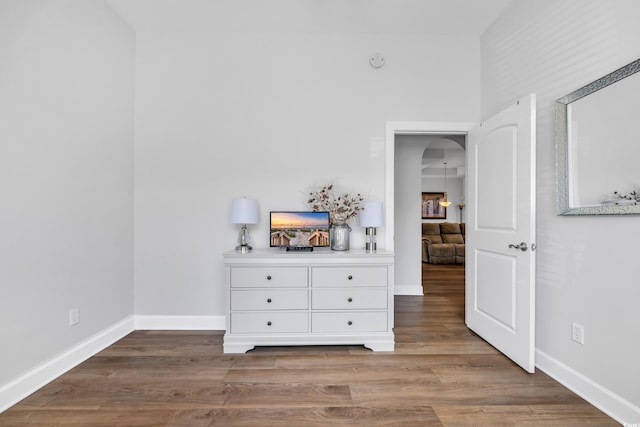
(269,322)
(270,299)
(349,298)
(349,322)
(349,276)
(250,277)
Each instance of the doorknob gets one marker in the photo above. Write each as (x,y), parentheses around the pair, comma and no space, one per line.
(522,246)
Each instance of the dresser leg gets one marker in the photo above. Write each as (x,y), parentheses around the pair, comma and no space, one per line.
(380,345)
(240,348)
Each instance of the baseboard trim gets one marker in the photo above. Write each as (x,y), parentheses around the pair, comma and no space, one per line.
(36,378)
(21,387)
(11,393)
(604,399)
(177,323)
(408,290)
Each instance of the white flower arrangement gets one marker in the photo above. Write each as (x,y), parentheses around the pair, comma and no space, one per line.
(341,206)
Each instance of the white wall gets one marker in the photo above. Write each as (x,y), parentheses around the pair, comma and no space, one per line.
(586,266)
(407,204)
(66,176)
(267,116)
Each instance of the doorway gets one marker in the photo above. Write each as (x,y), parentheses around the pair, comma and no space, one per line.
(501,165)
(403,229)
(443,172)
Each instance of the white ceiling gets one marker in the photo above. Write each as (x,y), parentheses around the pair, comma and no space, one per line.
(444,17)
(444,149)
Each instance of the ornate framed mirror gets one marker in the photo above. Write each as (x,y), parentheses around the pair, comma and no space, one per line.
(598,146)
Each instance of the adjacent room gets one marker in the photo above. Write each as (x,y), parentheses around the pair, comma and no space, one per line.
(134,293)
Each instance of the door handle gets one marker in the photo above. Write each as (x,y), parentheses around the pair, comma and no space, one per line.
(522,246)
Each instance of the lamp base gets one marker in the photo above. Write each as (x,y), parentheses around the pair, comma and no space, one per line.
(243,249)
(370,245)
(243,240)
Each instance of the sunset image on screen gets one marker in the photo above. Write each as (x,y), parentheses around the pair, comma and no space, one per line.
(298,220)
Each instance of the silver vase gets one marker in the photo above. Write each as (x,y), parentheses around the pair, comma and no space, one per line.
(339,236)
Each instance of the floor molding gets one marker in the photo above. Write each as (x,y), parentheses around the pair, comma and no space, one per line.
(176,323)
(11,393)
(608,402)
(21,387)
(408,290)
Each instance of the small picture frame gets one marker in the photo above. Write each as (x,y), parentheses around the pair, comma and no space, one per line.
(431,208)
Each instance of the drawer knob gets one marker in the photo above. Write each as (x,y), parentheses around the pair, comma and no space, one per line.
(269,300)
(349,323)
(350,299)
(268,277)
(269,323)
(350,277)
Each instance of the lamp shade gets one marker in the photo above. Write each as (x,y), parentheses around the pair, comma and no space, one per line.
(371,215)
(244,211)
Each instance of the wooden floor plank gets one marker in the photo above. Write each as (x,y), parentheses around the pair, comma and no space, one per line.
(287,395)
(462,394)
(343,376)
(524,415)
(373,360)
(309,417)
(441,374)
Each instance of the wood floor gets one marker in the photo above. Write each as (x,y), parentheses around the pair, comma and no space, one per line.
(441,374)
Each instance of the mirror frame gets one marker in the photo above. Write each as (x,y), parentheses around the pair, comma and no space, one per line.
(562,146)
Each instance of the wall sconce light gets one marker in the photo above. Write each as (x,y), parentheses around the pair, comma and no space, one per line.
(370,218)
(244,211)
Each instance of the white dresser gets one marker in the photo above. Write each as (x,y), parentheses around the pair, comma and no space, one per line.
(322,297)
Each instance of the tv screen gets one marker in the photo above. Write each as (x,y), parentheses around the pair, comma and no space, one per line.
(299,228)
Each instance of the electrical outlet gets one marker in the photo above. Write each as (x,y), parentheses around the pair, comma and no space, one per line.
(577,333)
(74,316)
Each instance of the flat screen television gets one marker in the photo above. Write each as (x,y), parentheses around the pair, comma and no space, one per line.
(299,228)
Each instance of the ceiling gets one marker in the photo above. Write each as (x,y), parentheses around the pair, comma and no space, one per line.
(432,17)
(444,148)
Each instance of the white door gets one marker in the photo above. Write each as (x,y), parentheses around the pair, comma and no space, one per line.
(500,258)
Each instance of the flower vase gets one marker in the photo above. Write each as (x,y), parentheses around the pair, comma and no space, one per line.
(339,236)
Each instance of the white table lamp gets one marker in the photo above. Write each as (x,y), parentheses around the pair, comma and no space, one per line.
(370,218)
(244,211)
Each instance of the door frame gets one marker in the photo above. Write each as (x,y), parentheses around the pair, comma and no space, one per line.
(409,128)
